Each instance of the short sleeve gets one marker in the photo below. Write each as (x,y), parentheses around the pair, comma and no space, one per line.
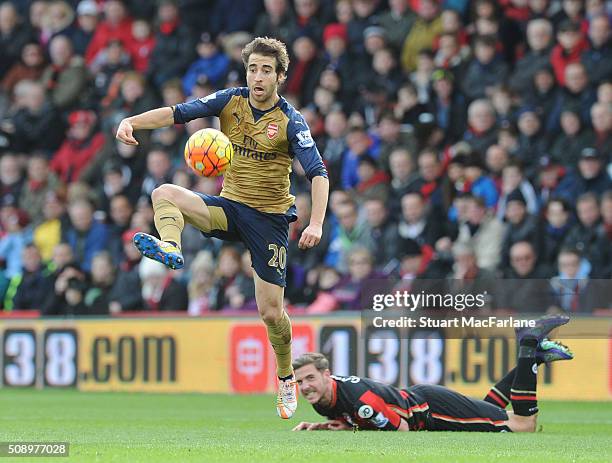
(373,408)
(211,105)
(303,146)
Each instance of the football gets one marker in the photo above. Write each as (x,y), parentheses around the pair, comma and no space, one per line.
(208,152)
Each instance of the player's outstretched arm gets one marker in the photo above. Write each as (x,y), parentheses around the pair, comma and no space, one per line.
(331,425)
(311,236)
(154,119)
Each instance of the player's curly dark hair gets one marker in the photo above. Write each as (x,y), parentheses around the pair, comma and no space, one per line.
(311,358)
(268,47)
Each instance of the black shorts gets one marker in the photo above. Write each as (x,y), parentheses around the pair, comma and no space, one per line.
(451,411)
(265,235)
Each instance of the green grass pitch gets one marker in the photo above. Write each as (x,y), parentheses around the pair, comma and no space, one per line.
(123,427)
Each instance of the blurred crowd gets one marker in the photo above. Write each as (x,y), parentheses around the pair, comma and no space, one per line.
(466,140)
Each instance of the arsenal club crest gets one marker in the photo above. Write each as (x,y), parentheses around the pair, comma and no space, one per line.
(272,131)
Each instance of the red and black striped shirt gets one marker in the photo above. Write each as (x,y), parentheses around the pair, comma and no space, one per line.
(368,404)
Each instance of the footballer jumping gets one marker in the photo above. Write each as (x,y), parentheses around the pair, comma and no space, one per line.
(351,402)
(255,205)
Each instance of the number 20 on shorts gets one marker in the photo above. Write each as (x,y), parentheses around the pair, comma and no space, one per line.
(279,256)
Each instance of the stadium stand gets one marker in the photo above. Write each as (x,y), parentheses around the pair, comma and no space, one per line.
(466,139)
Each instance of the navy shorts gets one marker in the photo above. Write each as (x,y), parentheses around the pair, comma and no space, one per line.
(451,411)
(265,235)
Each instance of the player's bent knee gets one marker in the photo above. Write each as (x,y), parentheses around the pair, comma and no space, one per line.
(271,316)
(165,191)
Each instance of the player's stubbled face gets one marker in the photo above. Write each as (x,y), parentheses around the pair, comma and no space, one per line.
(262,80)
(313,384)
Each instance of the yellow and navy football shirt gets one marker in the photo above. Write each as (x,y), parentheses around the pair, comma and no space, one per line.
(264,142)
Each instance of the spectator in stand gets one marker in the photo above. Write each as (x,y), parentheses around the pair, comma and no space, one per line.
(275,21)
(233,15)
(571,10)
(57,20)
(30,66)
(212,63)
(588,236)
(514,179)
(134,95)
(598,58)
(174,46)
(502,100)
(604,92)
(481,132)
(13,36)
(567,147)
(606,214)
(103,274)
(571,44)
(397,23)
(48,234)
(417,221)
(120,214)
(520,225)
(448,105)
(36,125)
(478,182)
(305,70)
(142,44)
(571,285)
(359,144)
(576,93)
(422,33)
(337,57)
(40,182)
(233,45)
(601,117)
(200,284)
(403,177)
(307,19)
(86,235)
(383,231)
(591,175)
(159,170)
(347,233)
(496,158)
(540,41)
(85,26)
(524,264)
(240,294)
(82,144)
(543,92)
(349,290)
(532,141)
(525,287)
(126,294)
(70,286)
(11,177)
(334,146)
(483,232)
(429,181)
(109,67)
(117,25)
(466,269)
(161,291)
(421,77)
(408,109)
(29,289)
(15,236)
(391,138)
(227,273)
(486,69)
(556,225)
